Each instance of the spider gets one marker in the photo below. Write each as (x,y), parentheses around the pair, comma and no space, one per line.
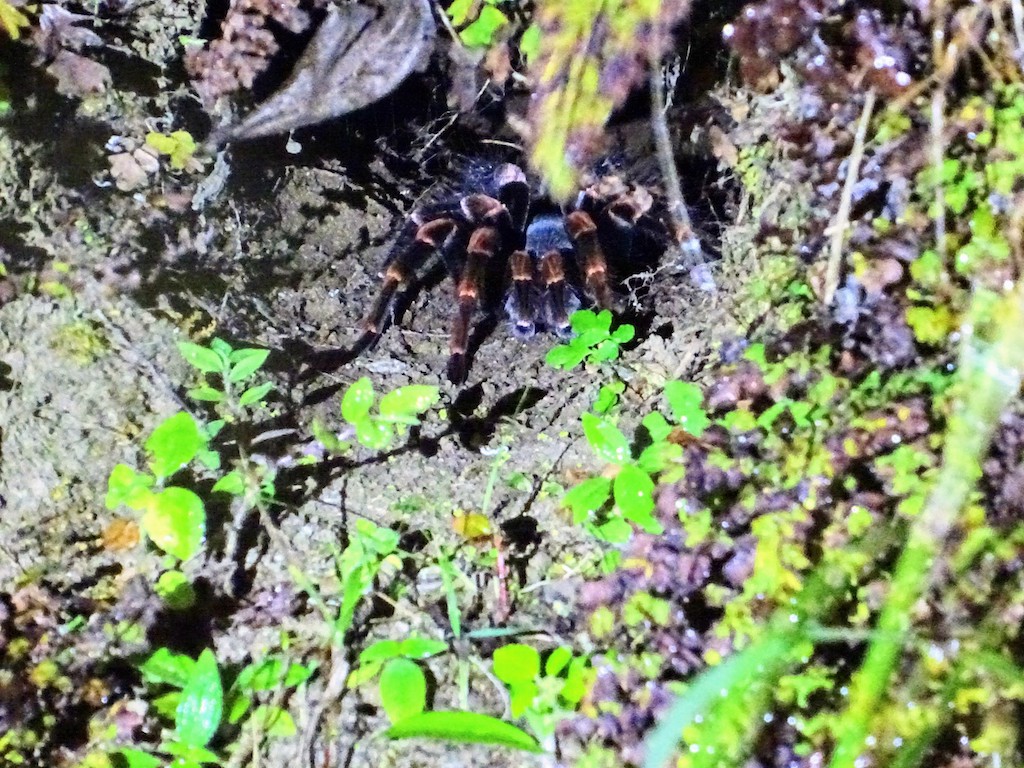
(502,246)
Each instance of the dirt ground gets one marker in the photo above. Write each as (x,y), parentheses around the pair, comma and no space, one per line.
(279,251)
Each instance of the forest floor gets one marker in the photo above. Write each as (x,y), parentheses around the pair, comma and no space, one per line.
(814,441)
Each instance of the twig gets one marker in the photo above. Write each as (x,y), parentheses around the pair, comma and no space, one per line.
(692,255)
(842,222)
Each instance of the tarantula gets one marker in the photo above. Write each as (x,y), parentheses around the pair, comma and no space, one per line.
(539,260)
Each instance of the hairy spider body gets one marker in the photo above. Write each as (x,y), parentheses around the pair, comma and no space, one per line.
(540,261)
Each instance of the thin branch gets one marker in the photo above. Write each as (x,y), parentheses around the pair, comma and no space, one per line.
(842,223)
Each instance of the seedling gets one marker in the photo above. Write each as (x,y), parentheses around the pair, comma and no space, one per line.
(629,482)
(595,341)
(199,707)
(395,412)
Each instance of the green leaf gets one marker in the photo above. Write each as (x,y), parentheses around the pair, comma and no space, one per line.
(298,674)
(586,320)
(165,666)
(166,705)
(654,458)
(557,660)
(566,356)
(222,348)
(128,487)
(176,522)
(374,434)
(173,444)
(382,650)
(261,676)
(175,590)
(458,11)
(657,426)
(465,728)
(605,439)
(421,647)
(232,483)
(246,362)
(529,43)
(575,687)
(403,689)
(255,394)
(204,359)
(482,32)
(238,706)
(202,703)
(522,697)
(615,531)
(588,497)
(516,663)
(605,351)
(405,404)
(275,721)
(136,758)
(634,493)
(188,755)
(608,396)
(206,394)
(364,673)
(357,401)
(623,334)
(686,399)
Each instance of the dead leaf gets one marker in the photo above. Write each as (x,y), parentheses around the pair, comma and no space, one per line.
(77,75)
(358,55)
(121,535)
(126,172)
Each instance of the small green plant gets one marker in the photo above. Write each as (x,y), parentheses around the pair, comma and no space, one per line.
(179,146)
(198,706)
(628,484)
(173,516)
(395,412)
(542,696)
(595,341)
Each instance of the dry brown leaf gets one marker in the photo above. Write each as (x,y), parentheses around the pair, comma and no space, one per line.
(121,535)
(358,55)
(77,75)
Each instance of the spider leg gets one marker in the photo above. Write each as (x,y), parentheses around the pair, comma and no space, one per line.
(592,261)
(399,270)
(560,300)
(521,302)
(484,244)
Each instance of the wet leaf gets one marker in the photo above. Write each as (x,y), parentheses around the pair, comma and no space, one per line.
(202,703)
(358,55)
(607,442)
(165,666)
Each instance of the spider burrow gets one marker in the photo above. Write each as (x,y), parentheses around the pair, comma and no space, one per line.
(502,246)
